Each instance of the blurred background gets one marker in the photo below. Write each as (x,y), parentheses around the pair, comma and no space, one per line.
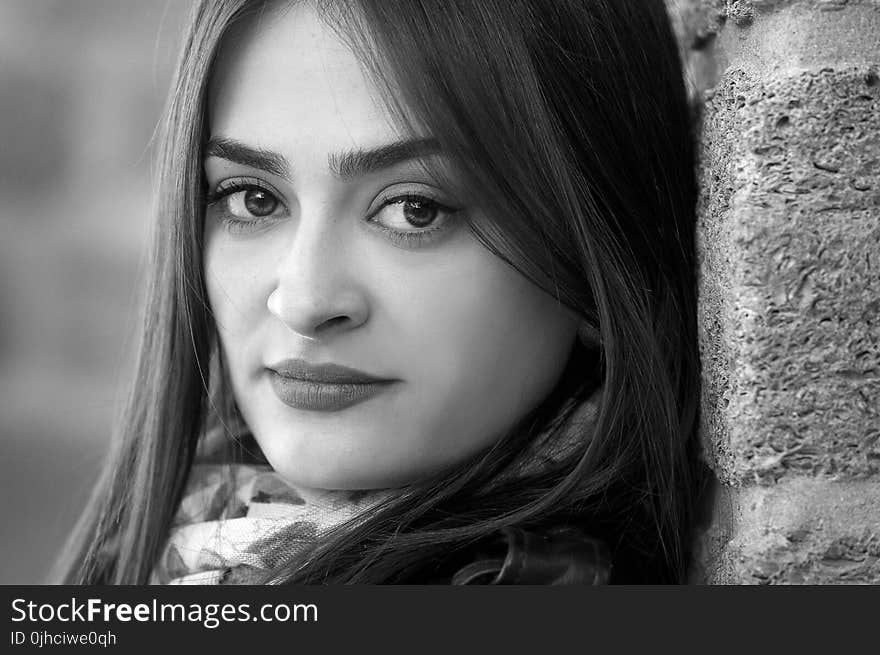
(82,85)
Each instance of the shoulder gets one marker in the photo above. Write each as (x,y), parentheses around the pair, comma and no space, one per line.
(558,556)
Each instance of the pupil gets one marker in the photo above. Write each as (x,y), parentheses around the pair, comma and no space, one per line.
(259,203)
(419,214)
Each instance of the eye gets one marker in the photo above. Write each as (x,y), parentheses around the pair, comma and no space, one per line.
(246,201)
(412,219)
(244,204)
(253,201)
(408,212)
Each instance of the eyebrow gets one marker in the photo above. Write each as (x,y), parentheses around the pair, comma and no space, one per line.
(357,163)
(345,165)
(239,153)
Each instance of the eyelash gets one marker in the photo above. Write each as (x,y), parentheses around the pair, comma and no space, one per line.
(414,239)
(230,187)
(408,239)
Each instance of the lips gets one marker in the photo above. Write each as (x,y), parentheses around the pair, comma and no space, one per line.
(323,387)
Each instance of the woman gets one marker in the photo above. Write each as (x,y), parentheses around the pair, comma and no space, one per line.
(429,263)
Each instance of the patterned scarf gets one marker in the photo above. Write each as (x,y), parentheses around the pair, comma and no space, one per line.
(236,522)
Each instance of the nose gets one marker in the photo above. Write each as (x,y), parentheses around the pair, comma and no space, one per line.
(317,292)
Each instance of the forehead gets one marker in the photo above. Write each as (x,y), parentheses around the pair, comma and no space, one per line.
(285,78)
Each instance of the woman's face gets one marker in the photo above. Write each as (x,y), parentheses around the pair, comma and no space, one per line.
(328,248)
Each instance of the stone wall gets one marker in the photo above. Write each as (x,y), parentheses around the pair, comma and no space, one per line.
(787,95)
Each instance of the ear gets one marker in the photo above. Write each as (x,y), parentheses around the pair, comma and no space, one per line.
(589,334)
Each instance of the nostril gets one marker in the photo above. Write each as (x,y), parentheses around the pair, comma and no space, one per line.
(330,323)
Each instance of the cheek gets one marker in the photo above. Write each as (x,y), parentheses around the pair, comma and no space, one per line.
(235,284)
(486,345)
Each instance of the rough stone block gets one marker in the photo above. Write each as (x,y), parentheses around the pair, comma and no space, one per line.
(801,531)
(787,97)
(789,236)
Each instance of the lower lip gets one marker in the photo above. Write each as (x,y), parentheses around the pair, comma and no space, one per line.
(322,396)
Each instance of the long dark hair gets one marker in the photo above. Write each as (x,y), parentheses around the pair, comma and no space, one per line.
(568,123)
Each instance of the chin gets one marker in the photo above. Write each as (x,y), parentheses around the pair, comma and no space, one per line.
(305,464)
(343,474)
(334,479)
(340,454)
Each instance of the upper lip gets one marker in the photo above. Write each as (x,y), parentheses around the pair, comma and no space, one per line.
(328,373)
